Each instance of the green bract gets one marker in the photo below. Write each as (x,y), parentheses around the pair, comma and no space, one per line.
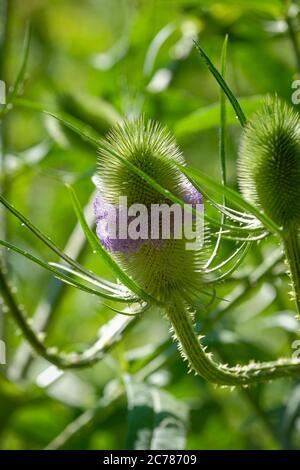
(269,162)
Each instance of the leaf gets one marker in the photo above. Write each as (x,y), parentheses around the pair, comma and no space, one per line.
(209,116)
(156,421)
(97,283)
(222,146)
(48,242)
(231,195)
(234,102)
(223,116)
(61,276)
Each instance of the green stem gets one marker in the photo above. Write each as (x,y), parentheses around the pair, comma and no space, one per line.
(292,252)
(63,361)
(203,363)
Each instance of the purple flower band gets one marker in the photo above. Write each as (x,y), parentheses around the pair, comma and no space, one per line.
(108,216)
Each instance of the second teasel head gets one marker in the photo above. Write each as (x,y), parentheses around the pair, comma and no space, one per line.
(269,162)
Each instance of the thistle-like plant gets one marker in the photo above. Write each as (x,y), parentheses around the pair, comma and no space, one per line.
(163,267)
(269,175)
(140,160)
(168,273)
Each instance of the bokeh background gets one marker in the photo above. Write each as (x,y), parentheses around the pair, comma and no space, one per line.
(101,60)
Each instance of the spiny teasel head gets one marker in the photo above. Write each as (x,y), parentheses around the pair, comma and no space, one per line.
(159,266)
(269,162)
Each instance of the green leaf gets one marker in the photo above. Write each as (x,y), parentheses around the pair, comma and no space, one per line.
(209,116)
(121,291)
(222,146)
(234,102)
(223,116)
(48,242)
(61,276)
(233,196)
(157,421)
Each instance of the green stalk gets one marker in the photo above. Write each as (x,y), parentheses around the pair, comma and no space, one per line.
(292,252)
(89,357)
(203,363)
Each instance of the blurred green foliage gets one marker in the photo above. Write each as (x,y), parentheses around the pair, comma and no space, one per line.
(100,60)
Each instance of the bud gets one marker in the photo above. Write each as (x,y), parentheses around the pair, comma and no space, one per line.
(269,162)
(160,266)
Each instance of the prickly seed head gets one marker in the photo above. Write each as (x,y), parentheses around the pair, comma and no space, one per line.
(160,266)
(269,162)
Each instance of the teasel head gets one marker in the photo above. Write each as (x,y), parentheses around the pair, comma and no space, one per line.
(160,266)
(269,162)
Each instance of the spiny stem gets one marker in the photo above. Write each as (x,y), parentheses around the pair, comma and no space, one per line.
(204,365)
(291,243)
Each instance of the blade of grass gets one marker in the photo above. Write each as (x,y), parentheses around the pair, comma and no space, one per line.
(63,361)
(223,122)
(49,303)
(234,102)
(222,147)
(65,268)
(48,242)
(61,276)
